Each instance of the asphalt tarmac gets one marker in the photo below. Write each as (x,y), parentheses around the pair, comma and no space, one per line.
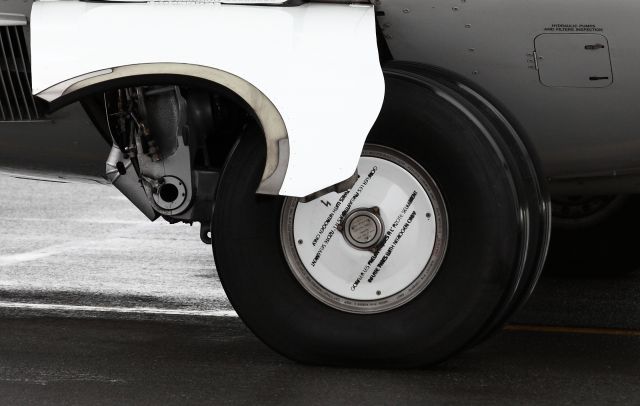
(100,306)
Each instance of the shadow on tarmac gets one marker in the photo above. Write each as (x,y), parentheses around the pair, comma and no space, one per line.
(218,361)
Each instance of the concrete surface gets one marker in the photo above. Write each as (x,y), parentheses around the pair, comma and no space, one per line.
(219,362)
(84,244)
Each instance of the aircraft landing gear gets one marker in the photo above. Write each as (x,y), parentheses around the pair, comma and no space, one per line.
(441,238)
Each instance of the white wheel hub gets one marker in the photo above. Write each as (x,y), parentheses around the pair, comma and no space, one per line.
(374,247)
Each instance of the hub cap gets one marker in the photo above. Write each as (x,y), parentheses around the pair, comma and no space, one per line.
(374,247)
(363,228)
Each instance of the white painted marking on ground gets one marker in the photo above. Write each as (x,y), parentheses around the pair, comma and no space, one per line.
(34,255)
(118,198)
(121,310)
(91,221)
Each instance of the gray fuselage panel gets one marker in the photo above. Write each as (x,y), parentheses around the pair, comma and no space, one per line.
(585,125)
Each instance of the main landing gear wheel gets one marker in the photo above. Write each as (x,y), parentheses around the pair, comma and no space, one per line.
(441,237)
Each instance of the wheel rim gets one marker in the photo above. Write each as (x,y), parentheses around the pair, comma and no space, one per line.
(375,247)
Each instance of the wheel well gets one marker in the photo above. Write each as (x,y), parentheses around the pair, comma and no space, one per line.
(201,118)
(235,90)
(228,114)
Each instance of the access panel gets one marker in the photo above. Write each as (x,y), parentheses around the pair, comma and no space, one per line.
(573,60)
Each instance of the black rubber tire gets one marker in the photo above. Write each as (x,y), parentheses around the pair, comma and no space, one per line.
(492,258)
(603,245)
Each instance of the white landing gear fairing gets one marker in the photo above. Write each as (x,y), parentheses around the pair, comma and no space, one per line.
(311,73)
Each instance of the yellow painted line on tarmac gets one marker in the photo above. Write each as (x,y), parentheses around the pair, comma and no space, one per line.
(572,330)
